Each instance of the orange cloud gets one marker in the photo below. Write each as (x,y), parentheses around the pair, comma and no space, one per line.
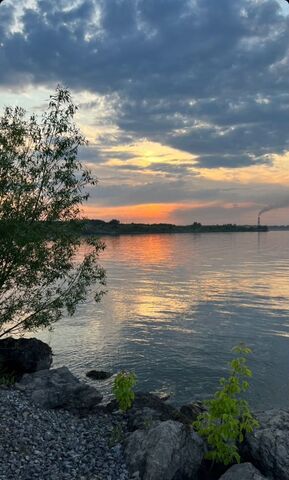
(144,213)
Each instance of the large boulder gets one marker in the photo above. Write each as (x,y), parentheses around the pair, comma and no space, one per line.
(145,402)
(191,411)
(268,446)
(148,400)
(143,418)
(24,355)
(58,388)
(167,451)
(243,471)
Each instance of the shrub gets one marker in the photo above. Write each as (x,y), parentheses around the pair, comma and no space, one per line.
(228,416)
(123,389)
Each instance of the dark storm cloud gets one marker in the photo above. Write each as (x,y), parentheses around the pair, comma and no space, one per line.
(90,155)
(207,77)
(180,190)
(150,192)
(170,168)
(97,155)
(161,167)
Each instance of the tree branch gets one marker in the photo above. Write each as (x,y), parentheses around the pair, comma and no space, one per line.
(44,307)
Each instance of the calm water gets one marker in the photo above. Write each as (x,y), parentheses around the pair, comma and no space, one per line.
(177,304)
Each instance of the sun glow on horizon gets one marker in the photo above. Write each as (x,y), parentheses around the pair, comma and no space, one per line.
(134,165)
(145,213)
(154,212)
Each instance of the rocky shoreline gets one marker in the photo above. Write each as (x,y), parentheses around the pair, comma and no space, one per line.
(40,444)
(54,427)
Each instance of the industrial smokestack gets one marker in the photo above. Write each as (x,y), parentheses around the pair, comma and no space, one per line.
(258,221)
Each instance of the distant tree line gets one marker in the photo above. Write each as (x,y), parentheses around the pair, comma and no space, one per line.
(115,227)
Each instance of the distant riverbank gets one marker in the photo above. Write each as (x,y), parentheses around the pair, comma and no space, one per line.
(114,227)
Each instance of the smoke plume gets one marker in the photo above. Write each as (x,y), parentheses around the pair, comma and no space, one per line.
(283,204)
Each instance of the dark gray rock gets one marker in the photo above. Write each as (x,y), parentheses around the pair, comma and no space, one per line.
(24,355)
(243,471)
(142,418)
(111,406)
(162,411)
(58,388)
(192,410)
(167,451)
(98,374)
(150,400)
(268,446)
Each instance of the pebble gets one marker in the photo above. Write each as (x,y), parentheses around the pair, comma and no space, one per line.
(37,444)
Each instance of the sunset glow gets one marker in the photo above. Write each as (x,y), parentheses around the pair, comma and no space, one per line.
(147,213)
(181,129)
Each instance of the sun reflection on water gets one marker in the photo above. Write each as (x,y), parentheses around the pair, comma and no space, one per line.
(175,306)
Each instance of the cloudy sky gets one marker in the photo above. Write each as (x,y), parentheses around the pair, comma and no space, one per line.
(185,102)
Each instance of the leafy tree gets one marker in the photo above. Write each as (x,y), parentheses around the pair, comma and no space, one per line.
(228,416)
(42,188)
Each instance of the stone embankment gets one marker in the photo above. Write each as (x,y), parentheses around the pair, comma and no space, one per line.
(54,427)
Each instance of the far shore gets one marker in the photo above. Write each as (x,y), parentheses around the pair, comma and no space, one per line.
(114,228)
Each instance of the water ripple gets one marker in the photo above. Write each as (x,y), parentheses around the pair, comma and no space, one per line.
(177,304)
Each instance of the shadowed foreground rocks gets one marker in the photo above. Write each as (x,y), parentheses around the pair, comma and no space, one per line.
(268,446)
(148,407)
(41,444)
(244,471)
(166,451)
(59,388)
(155,438)
(24,355)
(192,410)
(152,447)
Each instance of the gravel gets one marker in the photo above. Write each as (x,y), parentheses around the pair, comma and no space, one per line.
(38,444)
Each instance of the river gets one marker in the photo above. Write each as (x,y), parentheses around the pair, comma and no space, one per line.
(177,304)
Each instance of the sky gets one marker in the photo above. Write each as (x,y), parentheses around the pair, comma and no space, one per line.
(185,103)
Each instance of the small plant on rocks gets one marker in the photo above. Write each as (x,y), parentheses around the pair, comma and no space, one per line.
(228,416)
(7,379)
(123,389)
(148,422)
(117,435)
